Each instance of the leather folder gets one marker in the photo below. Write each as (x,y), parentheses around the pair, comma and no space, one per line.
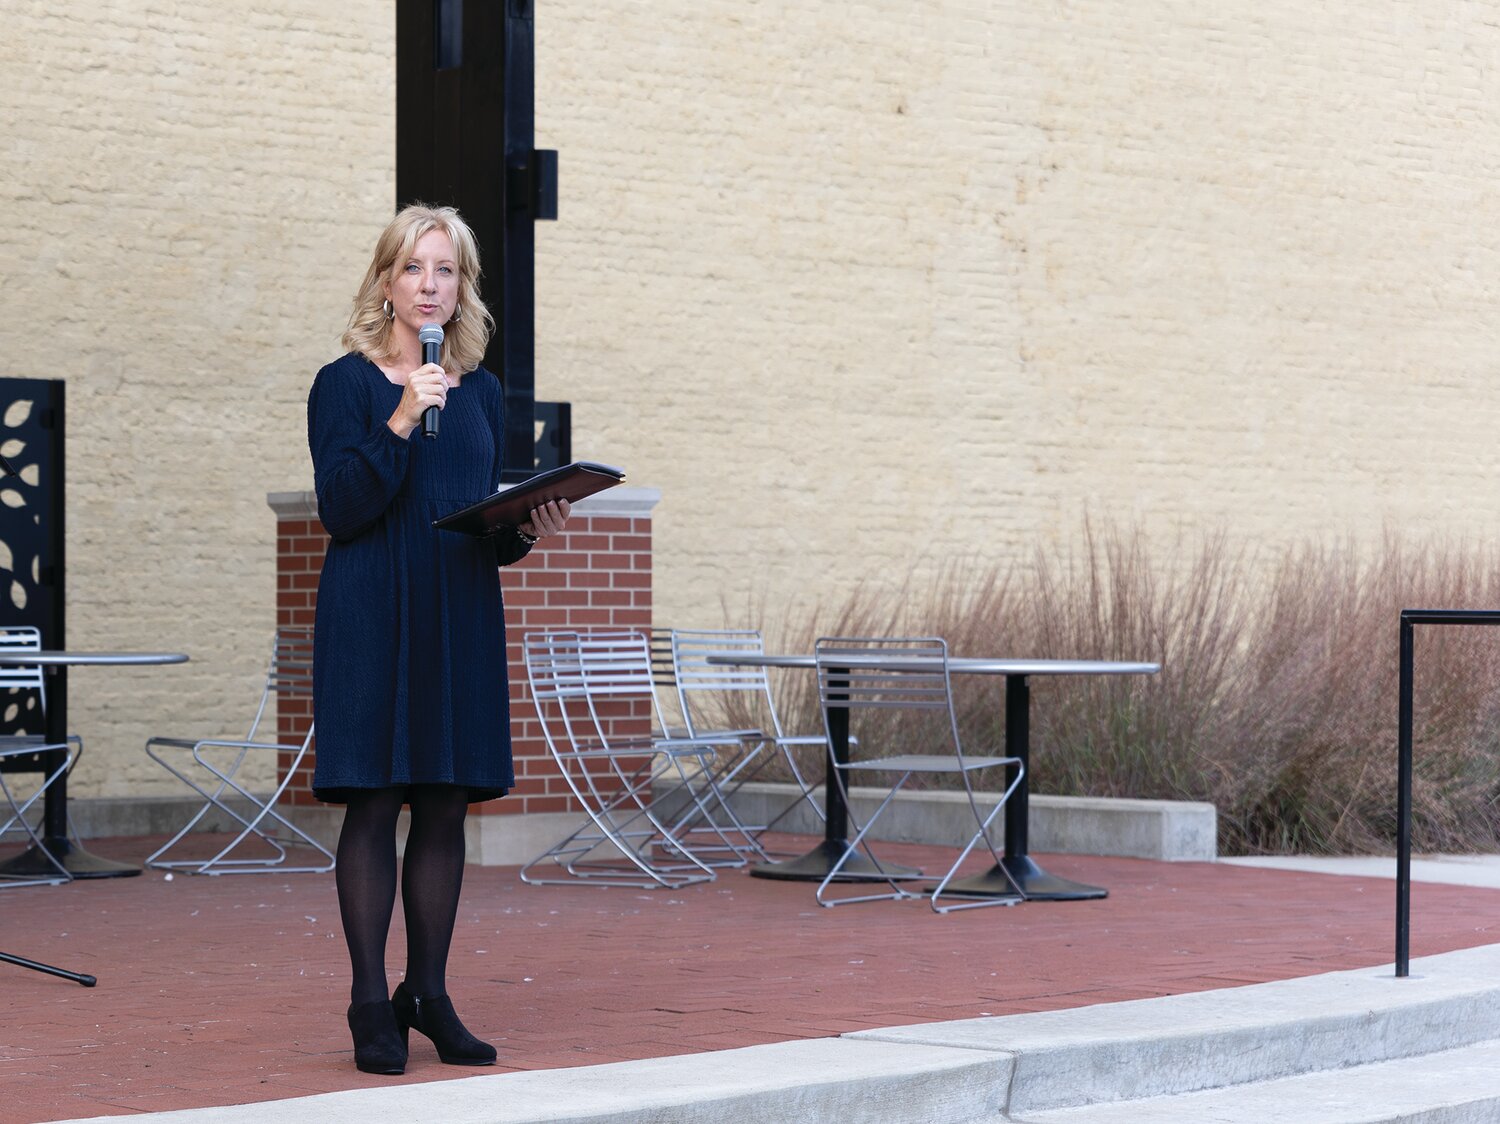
(512,505)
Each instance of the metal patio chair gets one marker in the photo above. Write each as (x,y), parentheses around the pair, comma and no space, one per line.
(700,684)
(212,768)
(23,695)
(872,678)
(582,684)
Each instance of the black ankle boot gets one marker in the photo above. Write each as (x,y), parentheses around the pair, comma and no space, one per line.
(379,1044)
(434,1016)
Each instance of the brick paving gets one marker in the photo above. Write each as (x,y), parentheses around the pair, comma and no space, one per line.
(232,989)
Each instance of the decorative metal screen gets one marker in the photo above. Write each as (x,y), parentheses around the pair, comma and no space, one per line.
(31,526)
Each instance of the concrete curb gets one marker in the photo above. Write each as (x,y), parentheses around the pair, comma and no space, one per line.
(819,1079)
(1183,1043)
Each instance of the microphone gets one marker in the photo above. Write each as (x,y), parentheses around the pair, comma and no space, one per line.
(431,336)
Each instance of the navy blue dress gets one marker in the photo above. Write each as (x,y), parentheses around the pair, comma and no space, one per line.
(409,675)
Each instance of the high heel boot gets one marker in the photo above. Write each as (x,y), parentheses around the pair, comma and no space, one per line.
(434,1016)
(379,1044)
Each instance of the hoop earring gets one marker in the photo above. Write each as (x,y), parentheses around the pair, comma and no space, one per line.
(388,309)
(458,314)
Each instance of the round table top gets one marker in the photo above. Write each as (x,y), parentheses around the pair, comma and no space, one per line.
(49,657)
(964,665)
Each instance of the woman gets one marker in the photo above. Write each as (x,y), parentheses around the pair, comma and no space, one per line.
(410,699)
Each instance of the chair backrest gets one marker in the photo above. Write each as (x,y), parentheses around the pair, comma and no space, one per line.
(698,680)
(617,674)
(20,639)
(552,665)
(25,704)
(290,672)
(888,673)
(583,683)
(664,676)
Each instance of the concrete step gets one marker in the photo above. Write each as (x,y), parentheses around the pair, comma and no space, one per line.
(1452,1087)
(1232,1037)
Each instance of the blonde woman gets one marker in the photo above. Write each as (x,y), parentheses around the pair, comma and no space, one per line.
(410,696)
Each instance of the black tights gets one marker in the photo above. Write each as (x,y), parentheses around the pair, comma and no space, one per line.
(432,874)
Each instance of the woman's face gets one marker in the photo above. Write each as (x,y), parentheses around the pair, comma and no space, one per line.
(424,287)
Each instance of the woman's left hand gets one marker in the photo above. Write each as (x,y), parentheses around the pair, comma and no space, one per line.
(548,519)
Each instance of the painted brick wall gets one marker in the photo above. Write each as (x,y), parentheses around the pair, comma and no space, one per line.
(597,574)
(926,282)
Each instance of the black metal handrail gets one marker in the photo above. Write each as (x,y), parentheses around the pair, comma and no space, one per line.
(1409,619)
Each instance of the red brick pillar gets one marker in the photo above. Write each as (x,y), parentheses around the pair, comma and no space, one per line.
(597,574)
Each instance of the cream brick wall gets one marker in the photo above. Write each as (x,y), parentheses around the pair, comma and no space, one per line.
(189,194)
(859,286)
(940,279)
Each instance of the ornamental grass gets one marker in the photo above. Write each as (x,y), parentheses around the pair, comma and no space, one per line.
(1277,696)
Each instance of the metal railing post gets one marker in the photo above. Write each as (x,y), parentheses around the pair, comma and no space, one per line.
(1403,804)
(1409,619)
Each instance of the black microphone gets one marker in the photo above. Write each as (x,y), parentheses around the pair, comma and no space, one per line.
(431,336)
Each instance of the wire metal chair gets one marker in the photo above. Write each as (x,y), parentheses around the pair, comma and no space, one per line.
(701,684)
(874,676)
(23,694)
(212,768)
(595,701)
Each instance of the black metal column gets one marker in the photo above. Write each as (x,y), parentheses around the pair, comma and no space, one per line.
(1018,744)
(465,135)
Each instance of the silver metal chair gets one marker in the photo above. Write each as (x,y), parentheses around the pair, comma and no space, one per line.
(873,679)
(586,686)
(23,695)
(700,684)
(212,768)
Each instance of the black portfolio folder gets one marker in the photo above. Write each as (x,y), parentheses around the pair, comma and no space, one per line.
(513,506)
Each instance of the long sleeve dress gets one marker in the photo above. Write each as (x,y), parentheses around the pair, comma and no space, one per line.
(409,671)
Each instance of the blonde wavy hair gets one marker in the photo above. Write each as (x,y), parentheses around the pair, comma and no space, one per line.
(466,336)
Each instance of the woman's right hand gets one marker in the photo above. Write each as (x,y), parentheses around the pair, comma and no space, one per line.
(426,386)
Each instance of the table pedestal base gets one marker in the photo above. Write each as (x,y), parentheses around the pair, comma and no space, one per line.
(1035,882)
(815,865)
(34,863)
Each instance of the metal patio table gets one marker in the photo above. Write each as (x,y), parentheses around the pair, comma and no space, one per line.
(75,860)
(1035,882)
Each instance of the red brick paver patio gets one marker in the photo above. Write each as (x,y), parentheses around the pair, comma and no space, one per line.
(231,989)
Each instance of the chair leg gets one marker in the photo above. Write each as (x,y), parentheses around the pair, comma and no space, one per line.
(680,828)
(572,852)
(807,790)
(252,827)
(210,801)
(250,824)
(18,815)
(982,833)
(897,892)
(638,789)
